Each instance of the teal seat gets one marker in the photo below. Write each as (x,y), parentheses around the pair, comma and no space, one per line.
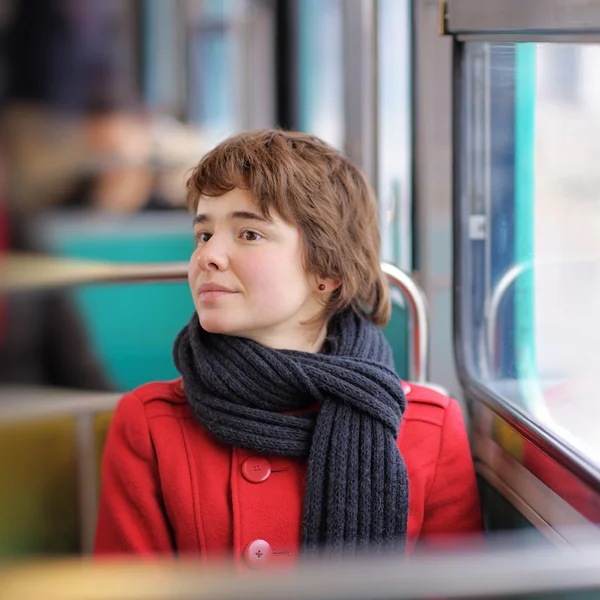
(397,334)
(131,326)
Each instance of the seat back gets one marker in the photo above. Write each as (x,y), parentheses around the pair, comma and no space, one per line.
(51,442)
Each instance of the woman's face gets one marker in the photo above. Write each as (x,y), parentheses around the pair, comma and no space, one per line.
(247,279)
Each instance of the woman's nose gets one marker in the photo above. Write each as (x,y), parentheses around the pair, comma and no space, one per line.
(212,255)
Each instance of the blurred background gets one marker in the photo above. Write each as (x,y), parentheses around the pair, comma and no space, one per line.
(477,124)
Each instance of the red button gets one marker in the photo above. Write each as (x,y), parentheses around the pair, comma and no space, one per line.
(258,554)
(256,469)
(406,388)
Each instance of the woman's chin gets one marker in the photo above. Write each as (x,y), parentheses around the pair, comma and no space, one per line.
(212,325)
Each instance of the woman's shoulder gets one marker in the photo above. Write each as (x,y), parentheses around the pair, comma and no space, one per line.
(156,398)
(433,429)
(431,404)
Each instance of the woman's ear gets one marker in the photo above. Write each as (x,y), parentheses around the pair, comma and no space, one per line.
(327,284)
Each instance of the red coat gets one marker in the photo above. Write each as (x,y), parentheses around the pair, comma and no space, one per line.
(168,485)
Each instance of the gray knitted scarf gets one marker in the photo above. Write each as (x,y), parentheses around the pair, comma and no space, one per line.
(356,495)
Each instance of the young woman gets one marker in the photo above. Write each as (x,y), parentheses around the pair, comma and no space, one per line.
(289,431)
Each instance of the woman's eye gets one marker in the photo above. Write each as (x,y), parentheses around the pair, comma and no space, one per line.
(202,237)
(251,236)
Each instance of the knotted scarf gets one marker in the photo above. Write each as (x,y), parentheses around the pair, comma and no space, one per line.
(242,392)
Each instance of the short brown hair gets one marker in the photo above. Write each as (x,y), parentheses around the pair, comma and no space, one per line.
(314,187)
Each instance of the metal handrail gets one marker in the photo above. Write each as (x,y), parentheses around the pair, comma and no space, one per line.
(41,272)
(508,565)
(419,317)
(22,403)
(498,293)
(504,284)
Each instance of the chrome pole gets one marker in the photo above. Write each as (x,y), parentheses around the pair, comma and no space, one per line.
(418,309)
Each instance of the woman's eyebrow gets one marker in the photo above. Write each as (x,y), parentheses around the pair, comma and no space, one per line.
(238,214)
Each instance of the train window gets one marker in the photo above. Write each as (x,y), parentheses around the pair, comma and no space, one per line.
(529,190)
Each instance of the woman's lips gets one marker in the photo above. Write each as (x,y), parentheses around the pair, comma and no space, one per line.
(211,295)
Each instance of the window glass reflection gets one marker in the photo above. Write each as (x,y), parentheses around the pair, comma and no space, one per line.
(531,190)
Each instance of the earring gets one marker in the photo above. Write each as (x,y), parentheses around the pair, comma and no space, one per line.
(322,286)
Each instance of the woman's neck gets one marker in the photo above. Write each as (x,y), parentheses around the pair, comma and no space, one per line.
(304,339)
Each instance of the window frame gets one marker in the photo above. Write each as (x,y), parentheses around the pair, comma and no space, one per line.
(499,24)
(523,18)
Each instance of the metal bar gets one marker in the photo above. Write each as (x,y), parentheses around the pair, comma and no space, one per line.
(507,446)
(87,482)
(418,309)
(360,84)
(494,302)
(41,403)
(69,273)
(553,512)
(527,16)
(512,565)
(519,503)
(528,37)
(147,273)
(432,101)
(29,272)
(500,289)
